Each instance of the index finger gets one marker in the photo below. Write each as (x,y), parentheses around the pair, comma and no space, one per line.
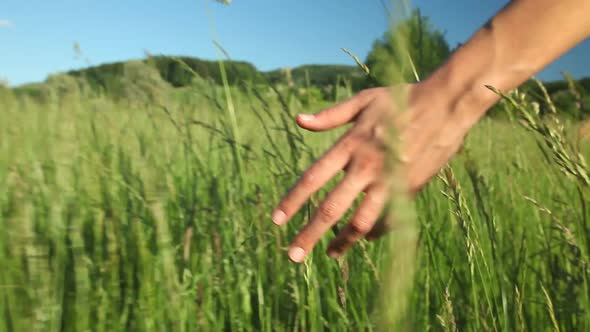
(314,178)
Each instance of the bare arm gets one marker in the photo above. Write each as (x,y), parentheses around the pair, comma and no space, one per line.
(519,41)
(515,44)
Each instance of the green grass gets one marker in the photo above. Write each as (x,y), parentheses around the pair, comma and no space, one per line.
(119,216)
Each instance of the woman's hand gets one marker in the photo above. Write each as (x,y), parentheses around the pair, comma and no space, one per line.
(435,116)
(431,130)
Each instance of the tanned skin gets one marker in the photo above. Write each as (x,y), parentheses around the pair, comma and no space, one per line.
(516,43)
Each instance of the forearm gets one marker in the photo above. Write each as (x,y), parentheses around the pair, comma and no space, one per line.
(515,44)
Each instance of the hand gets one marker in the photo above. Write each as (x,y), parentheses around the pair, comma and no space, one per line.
(430,131)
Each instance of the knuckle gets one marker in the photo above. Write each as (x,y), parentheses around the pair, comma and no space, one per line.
(308,181)
(377,195)
(368,165)
(383,138)
(352,140)
(328,211)
(349,142)
(360,225)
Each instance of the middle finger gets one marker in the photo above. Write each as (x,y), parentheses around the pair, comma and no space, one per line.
(328,213)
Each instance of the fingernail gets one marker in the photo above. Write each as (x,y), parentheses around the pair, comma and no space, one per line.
(306,117)
(296,254)
(279,217)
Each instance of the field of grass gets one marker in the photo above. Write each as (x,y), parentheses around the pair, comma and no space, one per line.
(138,217)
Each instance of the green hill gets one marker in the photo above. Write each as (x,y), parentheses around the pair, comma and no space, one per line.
(145,79)
(180,71)
(113,79)
(319,75)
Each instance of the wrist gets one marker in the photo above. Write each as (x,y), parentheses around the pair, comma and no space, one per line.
(462,83)
(443,91)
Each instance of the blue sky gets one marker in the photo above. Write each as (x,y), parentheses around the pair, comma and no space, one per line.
(37,36)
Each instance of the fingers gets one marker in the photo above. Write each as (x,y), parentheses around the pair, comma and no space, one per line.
(362,223)
(336,115)
(328,213)
(315,177)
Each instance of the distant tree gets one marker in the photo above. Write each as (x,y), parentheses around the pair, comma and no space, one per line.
(415,39)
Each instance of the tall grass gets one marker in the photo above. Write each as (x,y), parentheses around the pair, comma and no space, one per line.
(119,217)
(153,215)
